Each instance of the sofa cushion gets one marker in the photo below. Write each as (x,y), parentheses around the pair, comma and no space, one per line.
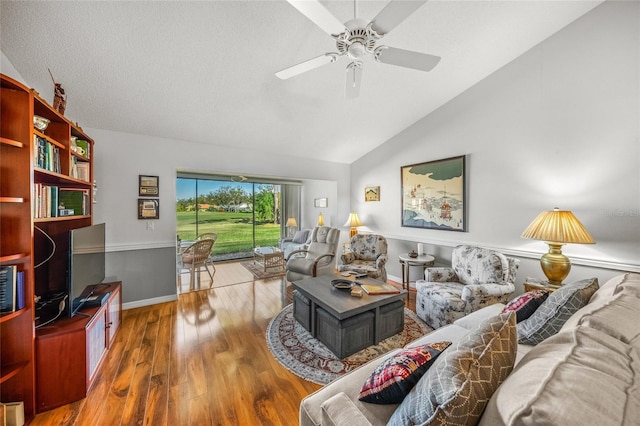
(396,376)
(340,410)
(555,311)
(461,381)
(301,236)
(377,414)
(628,283)
(579,376)
(612,316)
(526,304)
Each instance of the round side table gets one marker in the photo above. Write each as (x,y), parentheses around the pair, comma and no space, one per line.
(425,260)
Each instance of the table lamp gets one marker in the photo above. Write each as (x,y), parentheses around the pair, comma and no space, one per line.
(556,228)
(353,222)
(320,219)
(291,225)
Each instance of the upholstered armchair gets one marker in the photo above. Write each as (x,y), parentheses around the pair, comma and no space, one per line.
(478,277)
(299,241)
(365,254)
(317,259)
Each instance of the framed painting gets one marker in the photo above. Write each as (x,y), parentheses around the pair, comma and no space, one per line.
(148,208)
(320,202)
(434,195)
(372,193)
(148,186)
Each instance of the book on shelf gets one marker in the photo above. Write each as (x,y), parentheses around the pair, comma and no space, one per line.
(74,199)
(20,296)
(85,148)
(381,288)
(46,155)
(45,201)
(83,171)
(8,288)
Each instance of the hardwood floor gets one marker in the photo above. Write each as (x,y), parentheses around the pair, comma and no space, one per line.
(201,360)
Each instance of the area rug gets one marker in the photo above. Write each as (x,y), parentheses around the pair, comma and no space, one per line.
(306,357)
(259,272)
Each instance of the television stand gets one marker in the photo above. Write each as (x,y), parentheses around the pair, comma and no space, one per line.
(70,351)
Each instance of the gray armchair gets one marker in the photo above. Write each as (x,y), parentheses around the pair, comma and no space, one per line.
(478,277)
(366,254)
(317,259)
(298,242)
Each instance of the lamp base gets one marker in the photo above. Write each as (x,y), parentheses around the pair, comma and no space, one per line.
(555,265)
(353,232)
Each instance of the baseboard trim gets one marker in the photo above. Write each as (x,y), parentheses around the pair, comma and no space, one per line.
(147,302)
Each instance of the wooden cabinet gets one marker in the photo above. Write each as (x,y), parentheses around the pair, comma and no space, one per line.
(32,164)
(72,350)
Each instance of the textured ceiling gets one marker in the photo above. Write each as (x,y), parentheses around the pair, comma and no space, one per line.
(204,71)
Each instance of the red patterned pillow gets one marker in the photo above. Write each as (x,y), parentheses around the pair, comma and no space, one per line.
(395,377)
(526,304)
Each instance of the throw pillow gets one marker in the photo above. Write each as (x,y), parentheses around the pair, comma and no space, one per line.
(392,380)
(549,318)
(460,383)
(526,304)
(300,237)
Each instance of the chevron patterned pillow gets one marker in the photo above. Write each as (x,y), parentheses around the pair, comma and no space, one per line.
(456,389)
(549,318)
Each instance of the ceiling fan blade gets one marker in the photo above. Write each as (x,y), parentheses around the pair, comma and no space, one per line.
(393,14)
(305,66)
(319,15)
(354,77)
(406,58)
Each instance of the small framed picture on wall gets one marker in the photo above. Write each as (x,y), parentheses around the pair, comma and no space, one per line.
(148,186)
(148,208)
(372,193)
(320,202)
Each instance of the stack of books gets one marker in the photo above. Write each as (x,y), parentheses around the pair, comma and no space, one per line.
(12,295)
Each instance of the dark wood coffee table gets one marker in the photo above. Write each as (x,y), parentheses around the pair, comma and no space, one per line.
(346,324)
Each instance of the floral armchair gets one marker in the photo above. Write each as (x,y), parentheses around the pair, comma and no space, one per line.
(366,254)
(478,277)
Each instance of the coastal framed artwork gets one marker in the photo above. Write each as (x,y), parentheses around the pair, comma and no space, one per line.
(434,195)
(372,193)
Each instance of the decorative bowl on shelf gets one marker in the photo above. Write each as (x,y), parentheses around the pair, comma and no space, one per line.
(40,123)
(413,254)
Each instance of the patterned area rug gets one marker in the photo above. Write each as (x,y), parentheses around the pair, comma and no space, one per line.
(259,272)
(306,357)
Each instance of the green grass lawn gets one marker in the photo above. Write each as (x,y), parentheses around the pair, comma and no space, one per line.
(235,230)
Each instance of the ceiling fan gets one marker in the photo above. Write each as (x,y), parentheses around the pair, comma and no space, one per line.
(357,38)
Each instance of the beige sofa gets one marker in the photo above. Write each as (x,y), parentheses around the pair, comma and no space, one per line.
(587,373)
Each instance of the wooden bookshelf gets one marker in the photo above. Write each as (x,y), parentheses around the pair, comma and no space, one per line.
(23,241)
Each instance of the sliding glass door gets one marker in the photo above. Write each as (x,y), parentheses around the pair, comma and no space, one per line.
(243,214)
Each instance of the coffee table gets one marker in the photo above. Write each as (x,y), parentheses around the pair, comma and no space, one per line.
(346,324)
(268,257)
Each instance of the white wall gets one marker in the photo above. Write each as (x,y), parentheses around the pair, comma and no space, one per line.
(121,157)
(312,190)
(559,126)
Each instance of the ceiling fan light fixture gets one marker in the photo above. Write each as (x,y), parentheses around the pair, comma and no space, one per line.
(357,38)
(356,50)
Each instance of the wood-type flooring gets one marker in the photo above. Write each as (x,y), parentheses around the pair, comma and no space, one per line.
(201,360)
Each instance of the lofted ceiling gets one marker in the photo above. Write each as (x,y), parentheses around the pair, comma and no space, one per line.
(203,71)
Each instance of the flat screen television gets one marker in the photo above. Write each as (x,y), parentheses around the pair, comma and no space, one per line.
(86,264)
